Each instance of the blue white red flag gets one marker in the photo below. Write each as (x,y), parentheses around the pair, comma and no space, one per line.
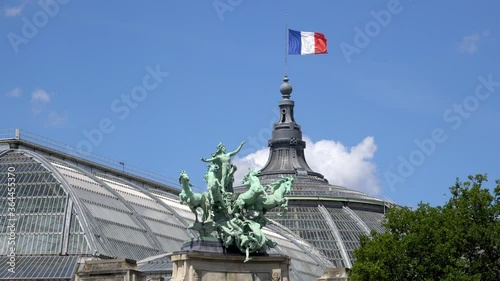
(306,43)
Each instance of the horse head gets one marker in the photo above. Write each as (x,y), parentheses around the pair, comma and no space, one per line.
(251,174)
(184,178)
(212,169)
(288,184)
(285,183)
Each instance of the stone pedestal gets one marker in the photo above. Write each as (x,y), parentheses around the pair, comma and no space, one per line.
(109,270)
(206,266)
(334,274)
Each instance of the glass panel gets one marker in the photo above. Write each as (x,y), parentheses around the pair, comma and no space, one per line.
(348,228)
(44,268)
(77,242)
(133,251)
(108,214)
(167,230)
(40,204)
(125,234)
(309,224)
(372,220)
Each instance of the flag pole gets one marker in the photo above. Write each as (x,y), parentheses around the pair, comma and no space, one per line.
(286,43)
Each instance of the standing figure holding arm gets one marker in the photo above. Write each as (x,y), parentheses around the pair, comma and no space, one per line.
(223,160)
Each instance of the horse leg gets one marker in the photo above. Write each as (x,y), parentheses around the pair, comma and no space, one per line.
(285,208)
(193,209)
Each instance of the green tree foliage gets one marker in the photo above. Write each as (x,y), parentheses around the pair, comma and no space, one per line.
(457,241)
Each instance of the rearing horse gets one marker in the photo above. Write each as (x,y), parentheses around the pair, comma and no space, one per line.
(278,198)
(214,185)
(193,200)
(255,189)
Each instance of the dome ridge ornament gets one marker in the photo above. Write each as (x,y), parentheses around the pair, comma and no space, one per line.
(286,88)
(286,146)
(234,221)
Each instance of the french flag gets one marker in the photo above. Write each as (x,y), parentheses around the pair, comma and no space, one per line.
(306,43)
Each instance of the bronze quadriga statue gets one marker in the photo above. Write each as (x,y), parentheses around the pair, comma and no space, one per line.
(233,221)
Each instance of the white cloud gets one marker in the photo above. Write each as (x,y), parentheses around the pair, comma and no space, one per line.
(351,167)
(55,119)
(15,93)
(14,11)
(39,100)
(255,160)
(40,96)
(470,43)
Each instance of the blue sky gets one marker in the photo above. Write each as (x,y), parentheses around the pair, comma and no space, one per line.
(398,73)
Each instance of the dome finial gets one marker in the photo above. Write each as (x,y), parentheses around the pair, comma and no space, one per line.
(286,88)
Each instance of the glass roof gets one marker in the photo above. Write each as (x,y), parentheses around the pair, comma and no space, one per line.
(309,223)
(333,231)
(46,267)
(313,187)
(66,210)
(40,206)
